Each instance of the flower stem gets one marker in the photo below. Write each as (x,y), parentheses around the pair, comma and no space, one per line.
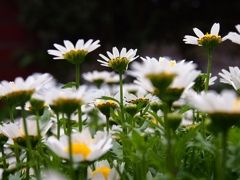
(4,158)
(58,126)
(77,76)
(121,102)
(107,123)
(208,69)
(28,143)
(39,146)
(69,128)
(169,151)
(224,155)
(80,119)
(11,107)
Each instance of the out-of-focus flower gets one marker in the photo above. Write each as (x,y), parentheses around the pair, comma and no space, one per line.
(208,41)
(16,132)
(68,100)
(223,115)
(231,77)
(101,77)
(19,91)
(84,147)
(118,61)
(103,171)
(233,36)
(74,54)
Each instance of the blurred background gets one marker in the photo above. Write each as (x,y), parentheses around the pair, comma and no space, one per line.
(28,28)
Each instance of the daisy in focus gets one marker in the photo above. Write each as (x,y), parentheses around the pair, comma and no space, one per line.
(208,41)
(233,36)
(103,171)
(231,77)
(84,147)
(74,54)
(118,60)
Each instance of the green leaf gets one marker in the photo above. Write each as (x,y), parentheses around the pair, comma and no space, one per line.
(16,176)
(45,118)
(109,98)
(184,109)
(69,85)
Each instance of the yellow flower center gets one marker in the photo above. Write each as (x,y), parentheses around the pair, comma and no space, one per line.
(79,148)
(21,132)
(172,63)
(209,41)
(236,105)
(104,170)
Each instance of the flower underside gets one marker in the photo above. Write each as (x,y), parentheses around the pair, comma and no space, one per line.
(209,41)
(105,107)
(67,106)
(17,97)
(119,64)
(75,56)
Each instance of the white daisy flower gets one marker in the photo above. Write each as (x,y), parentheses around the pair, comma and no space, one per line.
(160,66)
(141,97)
(68,100)
(184,81)
(133,88)
(212,102)
(16,132)
(231,77)
(233,36)
(20,91)
(103,171)
(101,77)
(104,105)
(84,147)
(208,41)
(223,115)
(74,54)
(118,60)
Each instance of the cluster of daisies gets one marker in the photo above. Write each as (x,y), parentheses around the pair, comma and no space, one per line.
(79,123)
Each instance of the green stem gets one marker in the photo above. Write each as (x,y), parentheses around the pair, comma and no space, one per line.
(28,142)
(208,69)
(169,151)
(80,119)
(17,155)
(69,128)
(11,108)
(224,156)
(4,158)
(27,167)
(83,171)
(121,103)
(39,146)
(77,75)
(58,126)
(107,123)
